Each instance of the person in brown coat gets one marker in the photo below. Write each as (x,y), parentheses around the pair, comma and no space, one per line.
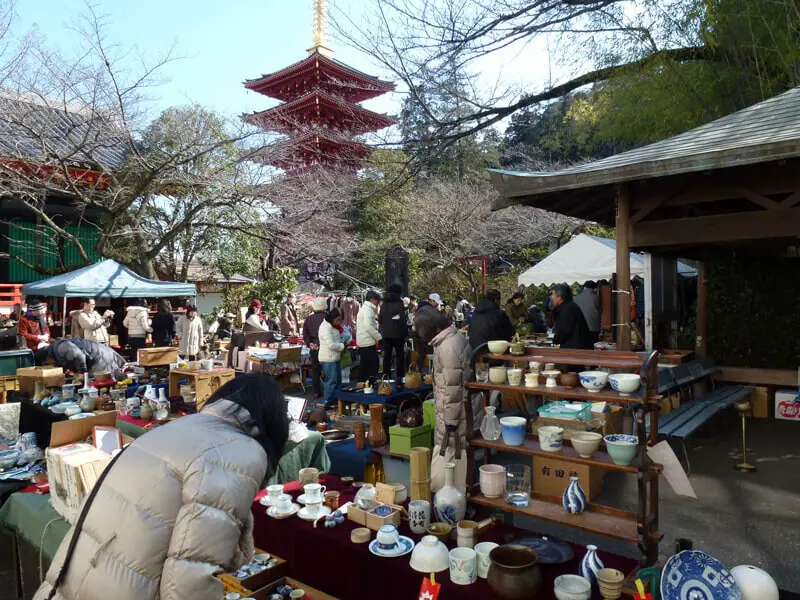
(289,323)
(451,372)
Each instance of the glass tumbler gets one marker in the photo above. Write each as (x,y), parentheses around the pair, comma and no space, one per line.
(518,485)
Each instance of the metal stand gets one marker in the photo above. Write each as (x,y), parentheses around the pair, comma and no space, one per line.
(744,466)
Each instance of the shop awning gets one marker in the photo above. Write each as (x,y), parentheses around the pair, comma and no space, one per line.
(585,258)
(107,279)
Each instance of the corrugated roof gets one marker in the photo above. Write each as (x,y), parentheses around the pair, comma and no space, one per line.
(31,130)
(766,131)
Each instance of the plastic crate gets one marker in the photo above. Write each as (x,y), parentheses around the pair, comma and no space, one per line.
(11,360)
(574,411)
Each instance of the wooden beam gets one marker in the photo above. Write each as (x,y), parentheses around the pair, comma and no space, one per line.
(648,207)
(701,335)
(768,377)
(623,328)
(588,203)
(756,198)
(716,228)
(790,201)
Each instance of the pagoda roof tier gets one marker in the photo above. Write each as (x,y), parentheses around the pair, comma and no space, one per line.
(317,71)
(319,110)
(312,148)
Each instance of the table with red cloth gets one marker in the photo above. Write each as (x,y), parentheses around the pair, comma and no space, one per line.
(327,560)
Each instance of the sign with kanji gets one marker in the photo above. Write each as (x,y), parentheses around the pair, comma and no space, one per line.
(429,590)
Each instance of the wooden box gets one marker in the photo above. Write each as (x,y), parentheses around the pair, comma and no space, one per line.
(551,477)
(205,383)
(311,593)
(49,376)
(265,577)
(371,520)
(157,357)
(403,439)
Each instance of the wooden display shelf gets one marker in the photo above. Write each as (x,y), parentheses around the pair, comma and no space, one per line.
(601,520)
(576,393)
(531,447)
(568,358)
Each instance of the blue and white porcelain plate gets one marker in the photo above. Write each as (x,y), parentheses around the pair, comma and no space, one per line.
(694,575)
(404,546)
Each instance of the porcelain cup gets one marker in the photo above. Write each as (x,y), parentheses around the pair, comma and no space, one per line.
(274,492)
(482,550)
(551,438)
(314,509)
(284,504)
(314,492)
(463,566)
(419,515)
(493,480)
(531,380)
(387,537)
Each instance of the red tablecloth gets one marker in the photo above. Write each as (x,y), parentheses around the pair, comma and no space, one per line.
(134,421)
(327,560)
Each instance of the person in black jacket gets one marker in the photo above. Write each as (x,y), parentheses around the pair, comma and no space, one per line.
(311,339)
(82,356)
(163,324)
(569,325)
(489,321)
(393,325)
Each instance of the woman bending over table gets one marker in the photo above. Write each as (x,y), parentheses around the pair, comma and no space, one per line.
(173,509)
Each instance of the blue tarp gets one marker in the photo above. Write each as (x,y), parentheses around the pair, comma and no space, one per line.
(107,279)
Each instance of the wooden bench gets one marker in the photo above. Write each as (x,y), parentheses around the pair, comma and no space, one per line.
(693,413)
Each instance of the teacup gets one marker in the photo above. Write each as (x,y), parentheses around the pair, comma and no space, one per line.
(387,537)
(283,504)
(314,509)
(551,438)
(531,380)
(308,475)
(463,566)
(274,492)
(314,492)
(482,550)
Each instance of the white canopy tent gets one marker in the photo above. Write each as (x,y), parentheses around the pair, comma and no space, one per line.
(585,258)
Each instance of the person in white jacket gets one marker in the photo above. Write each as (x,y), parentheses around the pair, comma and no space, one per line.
(333,339)
(138,324)
(368,336)
(191,333)
(92,325)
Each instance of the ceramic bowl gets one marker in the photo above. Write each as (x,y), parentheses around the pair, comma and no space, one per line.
(497,375)
(493,480)
(585,443)
(625,383)
(72,410)
(572,587)
(60,408)
(551,438)
(8,458)
(499,346)
(622,448)
(514,376)
(400,493)
(569,380)
(513,430)
(593,381)
(610,582)
(441,531)
(430,556)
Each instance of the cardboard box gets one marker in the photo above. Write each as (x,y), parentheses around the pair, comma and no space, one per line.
(551,477)
(74,466)
(49,376)
(760,400)
(403,439)
(787,405)
(157,357)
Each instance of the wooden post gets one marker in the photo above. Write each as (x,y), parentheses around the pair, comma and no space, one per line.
(623,297)
(701,341)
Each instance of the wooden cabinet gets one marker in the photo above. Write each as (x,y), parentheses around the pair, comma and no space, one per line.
(205,382)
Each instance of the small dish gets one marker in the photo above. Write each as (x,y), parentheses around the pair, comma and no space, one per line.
(441,531)
(323,511)
(404,546)
(272,511)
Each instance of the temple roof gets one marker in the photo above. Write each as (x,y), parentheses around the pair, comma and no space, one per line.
(312,148)
(317,71)
(316,110)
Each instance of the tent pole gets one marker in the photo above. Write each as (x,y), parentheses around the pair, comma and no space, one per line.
(64,319)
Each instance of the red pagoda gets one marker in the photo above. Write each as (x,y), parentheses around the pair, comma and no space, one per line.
(320,116)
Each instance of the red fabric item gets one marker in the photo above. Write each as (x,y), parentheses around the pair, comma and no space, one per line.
(132,421)
(327,560)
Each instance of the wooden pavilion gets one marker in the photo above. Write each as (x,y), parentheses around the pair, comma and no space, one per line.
(729,186)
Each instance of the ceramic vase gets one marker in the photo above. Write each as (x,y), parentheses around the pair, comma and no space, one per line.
(574,499)
(377,434)
(146,412)
(590,565)
(450,503)
(490,426)
(87,402)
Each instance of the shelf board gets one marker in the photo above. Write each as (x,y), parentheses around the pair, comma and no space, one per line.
(531,447)
(614,524)
(599,358)
(576,393)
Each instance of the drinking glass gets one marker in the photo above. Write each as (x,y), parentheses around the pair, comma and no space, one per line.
(481,372)
(518,485)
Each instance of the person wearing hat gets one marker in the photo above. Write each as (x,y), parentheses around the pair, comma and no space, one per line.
(368,336)
(33,325)
(253,320)
(311,339)
(435,300)
(225,329)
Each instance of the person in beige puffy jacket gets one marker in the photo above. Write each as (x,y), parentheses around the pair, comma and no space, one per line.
(451,372)
(174,509)
(137,323)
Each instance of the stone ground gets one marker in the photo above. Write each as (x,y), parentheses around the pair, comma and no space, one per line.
(740,518)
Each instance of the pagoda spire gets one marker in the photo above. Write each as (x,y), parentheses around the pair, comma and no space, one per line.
(319,28)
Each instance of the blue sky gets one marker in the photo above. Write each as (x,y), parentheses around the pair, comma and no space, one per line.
(224,43)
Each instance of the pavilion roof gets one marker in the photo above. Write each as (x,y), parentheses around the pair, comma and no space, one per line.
(321,71)
(342,115)
(765,132)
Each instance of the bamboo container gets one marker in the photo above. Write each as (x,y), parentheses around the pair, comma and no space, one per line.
(420,490)
(420,467)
